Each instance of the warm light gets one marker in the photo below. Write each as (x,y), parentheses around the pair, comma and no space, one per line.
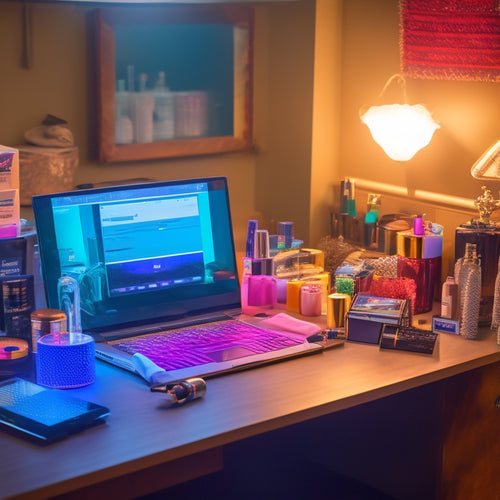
(400,129)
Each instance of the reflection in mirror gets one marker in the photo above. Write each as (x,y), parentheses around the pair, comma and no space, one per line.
(487,167)
(174,81)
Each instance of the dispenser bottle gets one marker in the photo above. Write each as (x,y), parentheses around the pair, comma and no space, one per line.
(495,317)
(419,259)
(164,111)
(124,130)
(469,283)
(68,293)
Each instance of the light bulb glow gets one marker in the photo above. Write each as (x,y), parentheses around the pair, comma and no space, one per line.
(400,129)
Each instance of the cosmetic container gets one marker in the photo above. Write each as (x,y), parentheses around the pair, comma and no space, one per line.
(258,286)
(18,301)
(495,316)
(450,304)
(469,284)
(69,302)
(344,280)
(293,295)
(285,235)
(65,364)
(337,308)
(46,321)
(124,129)
(310,299)
(388,227)
(486,237)
(419,258)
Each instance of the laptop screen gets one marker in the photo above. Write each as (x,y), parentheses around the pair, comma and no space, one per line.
(140,253)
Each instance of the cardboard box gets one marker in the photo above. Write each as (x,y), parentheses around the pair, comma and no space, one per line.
(9,168)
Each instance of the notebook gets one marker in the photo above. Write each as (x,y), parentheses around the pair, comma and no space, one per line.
(157,274)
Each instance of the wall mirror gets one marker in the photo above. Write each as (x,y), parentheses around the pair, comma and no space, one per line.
(173,80)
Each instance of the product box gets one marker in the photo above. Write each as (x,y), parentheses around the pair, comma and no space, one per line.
(368,314)
(9,168)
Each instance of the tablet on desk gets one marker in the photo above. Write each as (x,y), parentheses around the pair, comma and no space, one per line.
(45,414)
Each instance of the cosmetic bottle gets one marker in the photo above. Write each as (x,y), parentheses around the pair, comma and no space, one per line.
(142,106)
(68,292)
(469,284)
(495,316)
(311,299)
(419,258)
(371,217)
(450,305)
(124,130)
(164,110)
(258,286)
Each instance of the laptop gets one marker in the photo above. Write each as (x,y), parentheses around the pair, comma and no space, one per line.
(157,275)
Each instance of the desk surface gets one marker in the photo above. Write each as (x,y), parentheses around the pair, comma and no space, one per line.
(141,432)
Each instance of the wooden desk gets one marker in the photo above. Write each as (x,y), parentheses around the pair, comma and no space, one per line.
(141,434)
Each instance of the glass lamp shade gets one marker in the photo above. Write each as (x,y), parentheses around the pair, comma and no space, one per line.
(400,129)
(487,167)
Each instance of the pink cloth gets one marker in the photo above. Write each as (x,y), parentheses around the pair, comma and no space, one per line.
(283,321)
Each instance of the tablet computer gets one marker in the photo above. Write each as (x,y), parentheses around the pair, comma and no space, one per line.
(45,414)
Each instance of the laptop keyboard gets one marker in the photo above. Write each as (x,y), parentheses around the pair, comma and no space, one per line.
(200,344)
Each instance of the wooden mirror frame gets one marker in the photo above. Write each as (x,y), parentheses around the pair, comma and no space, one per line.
(107,19)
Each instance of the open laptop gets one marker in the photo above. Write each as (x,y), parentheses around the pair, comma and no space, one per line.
(157,275)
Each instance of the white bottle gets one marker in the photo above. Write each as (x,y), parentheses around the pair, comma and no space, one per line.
(142,105)
(450,299)
(164,113)
(124,131)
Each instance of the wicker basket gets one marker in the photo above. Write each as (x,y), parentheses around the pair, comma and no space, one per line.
(45,170)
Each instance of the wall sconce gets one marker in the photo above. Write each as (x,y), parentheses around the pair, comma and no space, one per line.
(400,129)
(487,166)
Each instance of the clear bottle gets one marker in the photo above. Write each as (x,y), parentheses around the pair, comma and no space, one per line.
(469,283)
(68,293)
(124,130)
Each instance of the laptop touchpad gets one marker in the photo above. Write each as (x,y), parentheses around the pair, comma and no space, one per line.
(230,353)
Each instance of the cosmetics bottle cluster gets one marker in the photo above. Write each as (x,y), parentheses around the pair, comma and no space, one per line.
(262,290)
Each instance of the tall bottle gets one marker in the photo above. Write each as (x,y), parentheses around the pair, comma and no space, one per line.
(164,113)
(469,283)
(495,317)
(68,293)
(124,130)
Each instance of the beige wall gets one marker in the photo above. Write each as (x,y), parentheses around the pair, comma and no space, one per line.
(467,111)
(316,63)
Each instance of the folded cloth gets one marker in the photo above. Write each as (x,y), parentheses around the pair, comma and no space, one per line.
(148,370)
(283,321)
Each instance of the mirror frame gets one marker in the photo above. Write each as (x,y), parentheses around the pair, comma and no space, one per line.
(105,22)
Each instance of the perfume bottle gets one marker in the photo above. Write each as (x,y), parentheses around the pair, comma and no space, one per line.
(485,234)
(450,305)
(469,284)
(419,258)
(68,293)
(495,316)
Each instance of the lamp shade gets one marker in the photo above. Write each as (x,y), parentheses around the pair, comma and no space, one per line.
(487,166)
(400,129)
